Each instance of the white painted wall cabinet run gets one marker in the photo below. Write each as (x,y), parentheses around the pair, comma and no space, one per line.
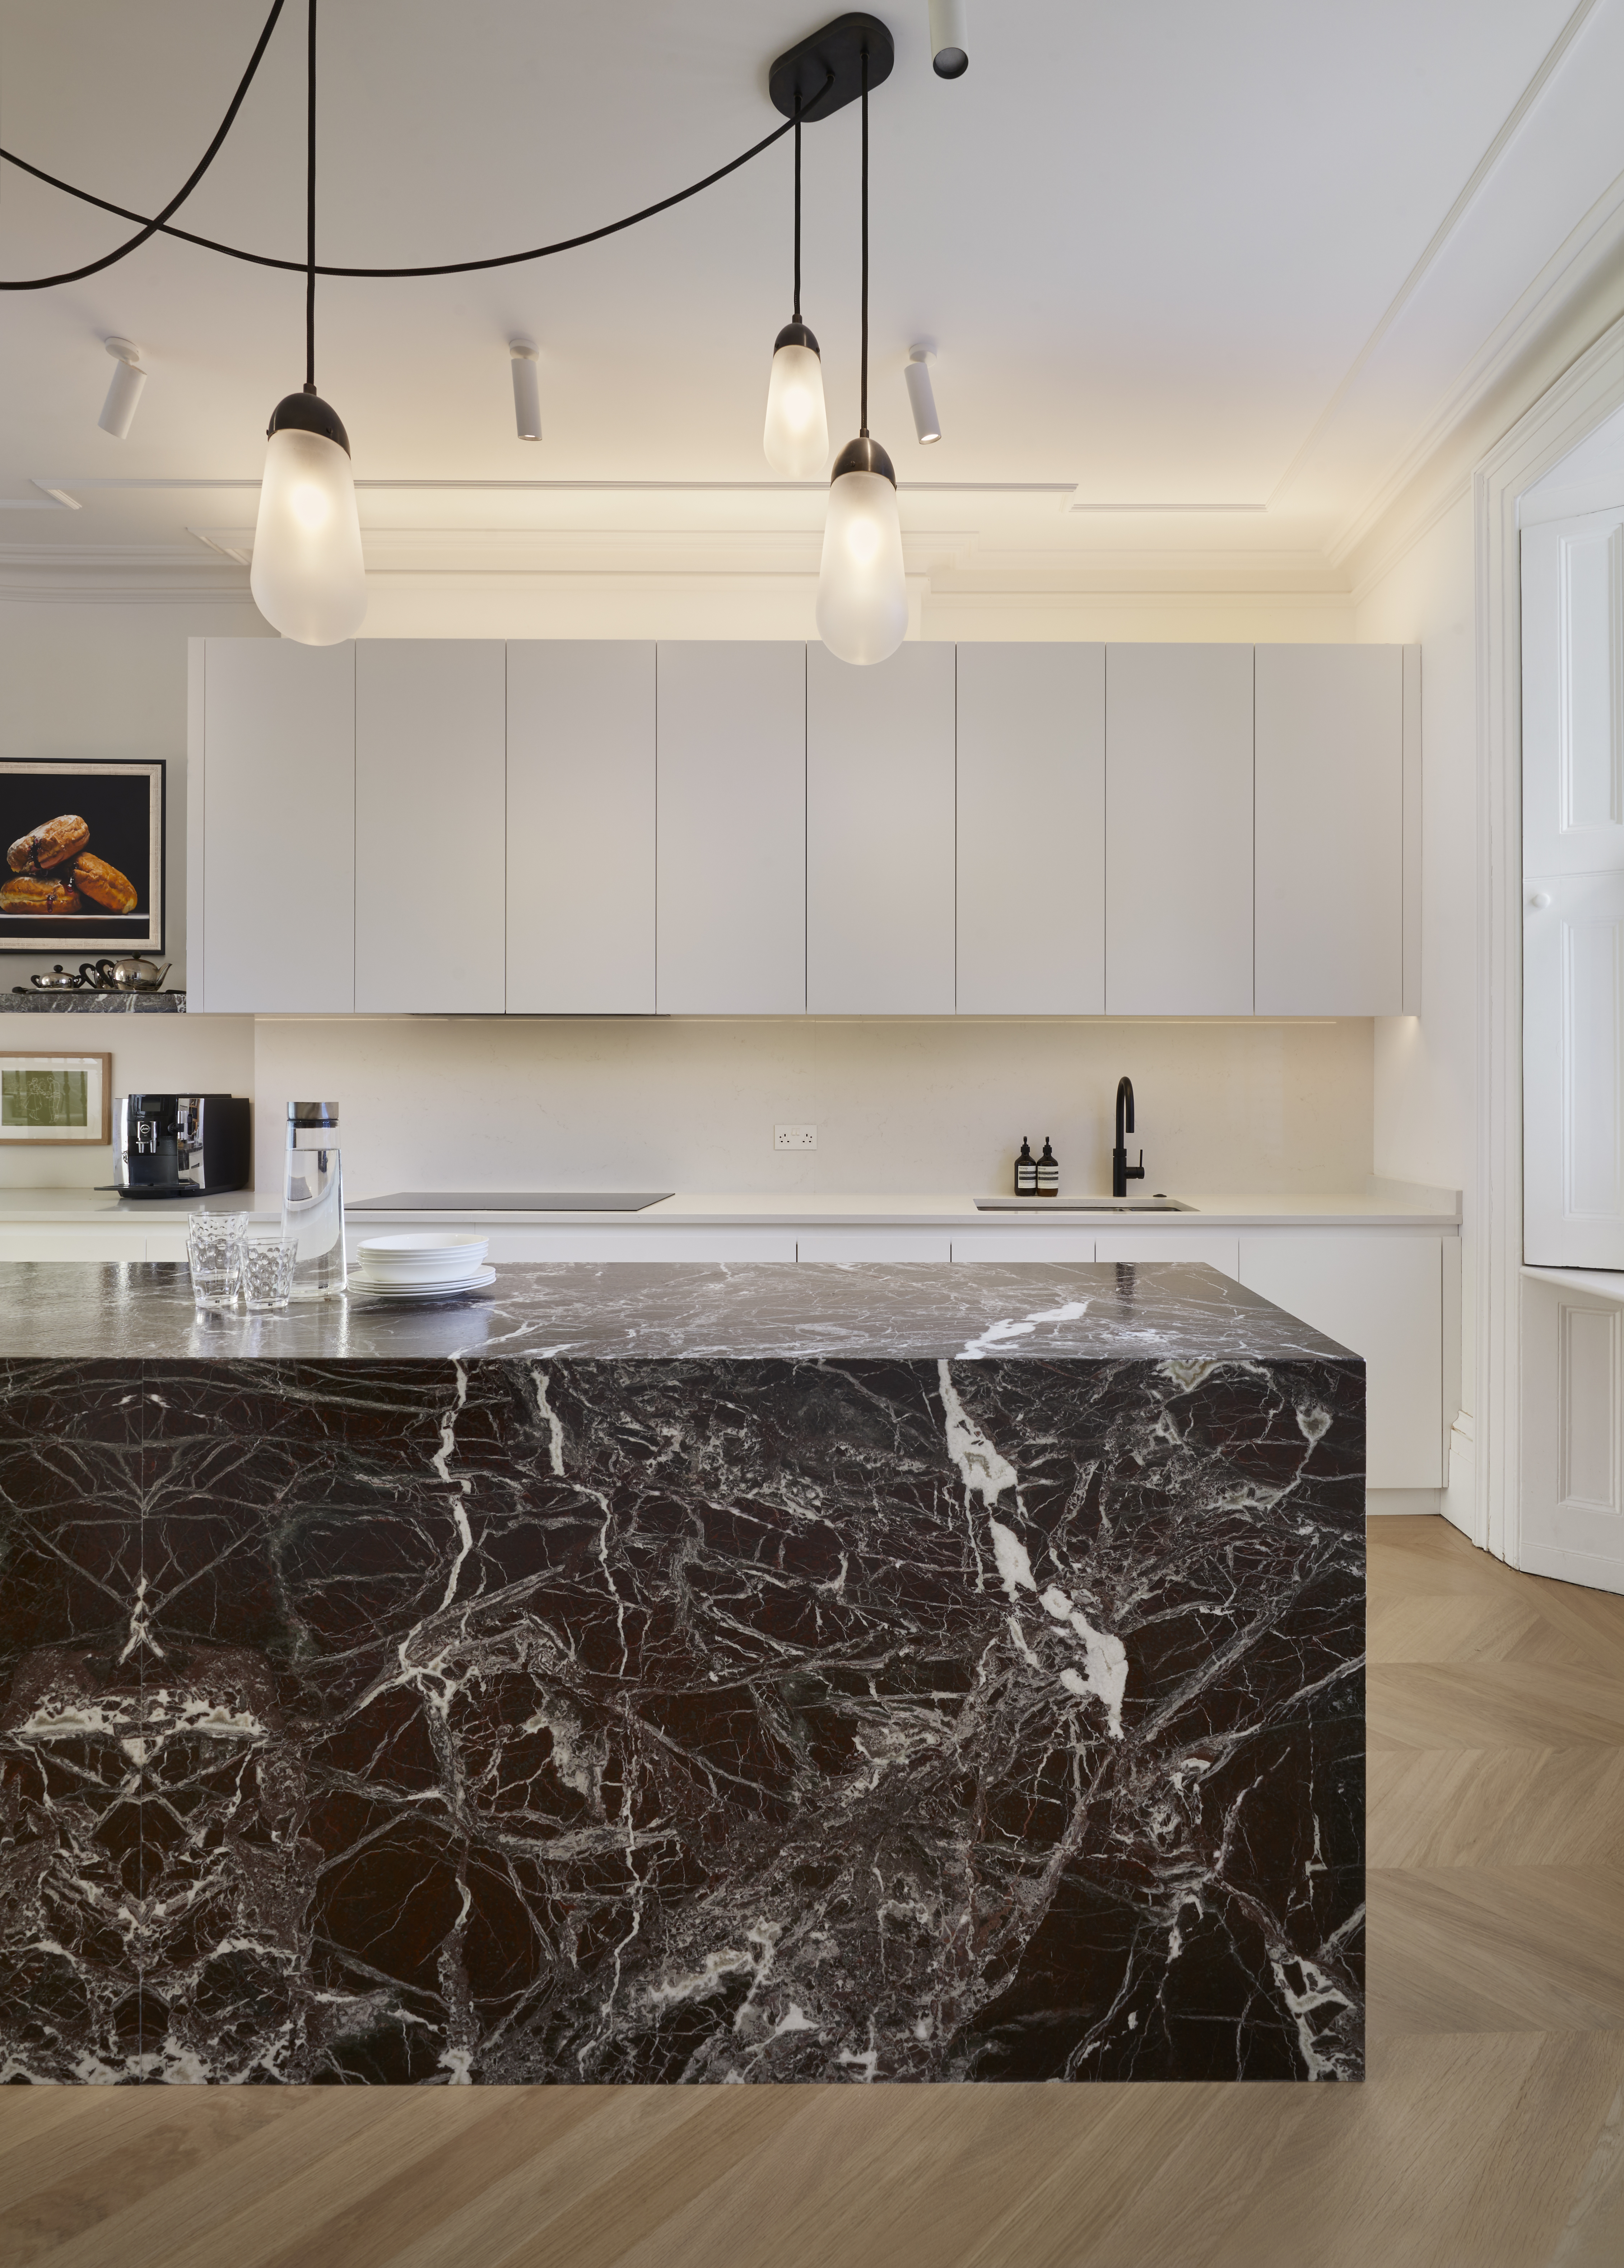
(609,828)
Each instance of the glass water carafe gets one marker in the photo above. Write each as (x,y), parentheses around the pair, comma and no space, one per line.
(312,1200)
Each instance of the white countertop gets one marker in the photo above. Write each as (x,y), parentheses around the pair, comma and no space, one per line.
(1386,1205)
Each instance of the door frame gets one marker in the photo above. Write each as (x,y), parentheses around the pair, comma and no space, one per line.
(1588,392)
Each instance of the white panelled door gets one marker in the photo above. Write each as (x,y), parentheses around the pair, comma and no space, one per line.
(1573,869)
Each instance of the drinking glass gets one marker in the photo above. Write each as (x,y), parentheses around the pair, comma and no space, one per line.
(268,1271)
(214,1242)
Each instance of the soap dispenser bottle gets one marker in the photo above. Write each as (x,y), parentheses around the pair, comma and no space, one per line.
(1048,1172)
(1026,1171)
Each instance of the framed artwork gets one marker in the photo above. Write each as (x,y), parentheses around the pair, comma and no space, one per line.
(55,1098)
(83,855)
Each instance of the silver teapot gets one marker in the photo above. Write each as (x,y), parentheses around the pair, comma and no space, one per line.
(57,981)
(133,973)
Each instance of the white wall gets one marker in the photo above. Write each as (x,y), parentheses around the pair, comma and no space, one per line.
(170,1055)
(1424,1066)
(664,1103)
(939,1105)
(108,681)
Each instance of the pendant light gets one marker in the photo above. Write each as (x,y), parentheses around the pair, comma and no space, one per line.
(797,437)
(308,577)
(861,587)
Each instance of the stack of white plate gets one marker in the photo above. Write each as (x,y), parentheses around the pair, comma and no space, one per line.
(422,1267)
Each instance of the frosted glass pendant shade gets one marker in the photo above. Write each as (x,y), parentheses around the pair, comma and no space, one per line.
(797,438)
(862,589)
(308,577)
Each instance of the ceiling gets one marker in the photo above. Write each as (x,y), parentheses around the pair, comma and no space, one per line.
(1201,282)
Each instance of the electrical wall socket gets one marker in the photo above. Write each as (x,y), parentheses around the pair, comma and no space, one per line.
(794,1138)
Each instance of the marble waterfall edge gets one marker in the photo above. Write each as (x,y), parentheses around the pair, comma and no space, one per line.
(694,1674)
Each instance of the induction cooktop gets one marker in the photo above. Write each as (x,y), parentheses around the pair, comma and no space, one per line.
(512,1201)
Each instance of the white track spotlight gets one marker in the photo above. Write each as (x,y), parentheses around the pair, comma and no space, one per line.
(950,42)
(527,389)
(125,392)
(921,396)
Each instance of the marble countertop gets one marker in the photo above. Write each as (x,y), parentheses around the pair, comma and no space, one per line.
(142,1311)
(1383,1205)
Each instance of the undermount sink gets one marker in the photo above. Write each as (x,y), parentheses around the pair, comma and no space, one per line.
(1083,1204)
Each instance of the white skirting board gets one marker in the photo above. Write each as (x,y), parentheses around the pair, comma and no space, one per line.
(1406,1502)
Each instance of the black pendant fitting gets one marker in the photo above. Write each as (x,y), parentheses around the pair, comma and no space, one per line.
(864,455)
(825,71)
(308,413)
(796,335)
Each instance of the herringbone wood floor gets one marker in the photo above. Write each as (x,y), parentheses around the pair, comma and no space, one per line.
(1490,2134)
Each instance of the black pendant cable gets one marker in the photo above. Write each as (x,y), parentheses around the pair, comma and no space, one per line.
(863,418)
(794,440)
(305,411)
(308,572)
(159,224)
(310,209)
(861,583)
(156,226)
(864,455)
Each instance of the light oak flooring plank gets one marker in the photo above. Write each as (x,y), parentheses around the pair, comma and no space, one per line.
(1490,2134)
(1496,1949)
(1422,1705)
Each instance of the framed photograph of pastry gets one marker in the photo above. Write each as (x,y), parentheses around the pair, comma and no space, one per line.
(84,855)
(55,1098)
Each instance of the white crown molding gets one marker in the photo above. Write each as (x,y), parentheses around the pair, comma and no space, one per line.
(1584,252)
(1434,248)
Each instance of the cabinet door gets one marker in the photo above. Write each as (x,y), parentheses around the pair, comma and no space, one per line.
(580,912)
(880,833)
(732,830)
(430,756)
(279,828)
(1032,830)
(1330,830)
(1382,1297)
(1179,830)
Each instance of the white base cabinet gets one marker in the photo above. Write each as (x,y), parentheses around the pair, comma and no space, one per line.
(1382,1297)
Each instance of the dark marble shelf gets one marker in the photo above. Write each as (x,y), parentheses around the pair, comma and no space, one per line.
(92,1004)
(681,1675)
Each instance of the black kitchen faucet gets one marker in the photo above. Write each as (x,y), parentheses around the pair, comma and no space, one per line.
(1121,1172)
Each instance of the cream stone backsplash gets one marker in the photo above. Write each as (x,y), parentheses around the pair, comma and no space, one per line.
(671,1103)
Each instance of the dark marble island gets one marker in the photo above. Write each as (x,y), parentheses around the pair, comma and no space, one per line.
(680,1674)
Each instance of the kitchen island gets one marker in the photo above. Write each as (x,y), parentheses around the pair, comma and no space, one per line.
(680,1674)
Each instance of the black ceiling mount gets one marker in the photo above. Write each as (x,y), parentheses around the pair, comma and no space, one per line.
(825,71)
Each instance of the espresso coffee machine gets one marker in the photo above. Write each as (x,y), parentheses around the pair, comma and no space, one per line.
(180,1145)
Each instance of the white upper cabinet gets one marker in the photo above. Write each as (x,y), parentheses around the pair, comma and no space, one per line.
(880,833)
(1179,830)
(1330,830)
(277,799)
(732,830)
(580,827)
(430,764)
(1032,830)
